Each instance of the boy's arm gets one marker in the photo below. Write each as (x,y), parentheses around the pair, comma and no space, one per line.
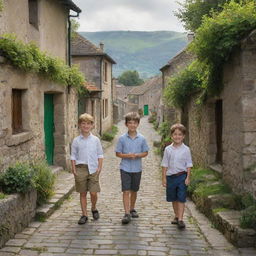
(187,180)
(73,157)
(141,155)
(100,163)
(130,155)
(73,165)
(164,170)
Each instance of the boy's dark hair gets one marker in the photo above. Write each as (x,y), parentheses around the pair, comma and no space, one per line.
(132,116)
(179,127)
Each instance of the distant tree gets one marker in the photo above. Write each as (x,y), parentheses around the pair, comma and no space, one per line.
(74,27)
(130,78)
(192,11)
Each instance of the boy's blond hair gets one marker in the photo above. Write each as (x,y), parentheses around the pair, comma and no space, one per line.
(179,127)
(132,116)
(85,118)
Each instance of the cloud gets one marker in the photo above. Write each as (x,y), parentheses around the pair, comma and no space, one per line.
(146,15)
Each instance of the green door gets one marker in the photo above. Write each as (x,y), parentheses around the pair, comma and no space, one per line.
(49,127)
(145,110)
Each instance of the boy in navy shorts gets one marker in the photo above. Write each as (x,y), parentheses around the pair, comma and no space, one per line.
(131,147)
(176,166)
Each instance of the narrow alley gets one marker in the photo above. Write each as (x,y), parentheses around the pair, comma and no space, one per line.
(150,234)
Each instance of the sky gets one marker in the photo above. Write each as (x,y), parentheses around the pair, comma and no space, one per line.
(139,15)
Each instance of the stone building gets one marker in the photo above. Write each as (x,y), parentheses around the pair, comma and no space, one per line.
(172,68)
(147,96)
(97,68)
(222,131)
(38,117)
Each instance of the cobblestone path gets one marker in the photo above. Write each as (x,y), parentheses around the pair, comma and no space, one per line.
(150,234)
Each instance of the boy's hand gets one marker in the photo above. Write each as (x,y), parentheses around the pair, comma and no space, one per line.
(132,155)
(164,182)
(187,181)
(98,171)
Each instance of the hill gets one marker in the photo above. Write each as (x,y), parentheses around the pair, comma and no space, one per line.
(143,51)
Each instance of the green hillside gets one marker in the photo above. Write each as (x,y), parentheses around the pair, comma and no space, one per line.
(143,51)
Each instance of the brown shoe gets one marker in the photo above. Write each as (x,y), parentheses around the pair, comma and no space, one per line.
(181,224)
(175,220)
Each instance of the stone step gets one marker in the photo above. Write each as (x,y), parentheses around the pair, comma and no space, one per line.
(56,169)
(63,187)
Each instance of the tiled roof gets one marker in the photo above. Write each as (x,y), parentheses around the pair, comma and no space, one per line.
(80,46)
(141,89)
(91,87)
(122,91)
(70,5)
(177,56)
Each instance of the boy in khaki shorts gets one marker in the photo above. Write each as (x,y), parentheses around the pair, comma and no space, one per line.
(86,160)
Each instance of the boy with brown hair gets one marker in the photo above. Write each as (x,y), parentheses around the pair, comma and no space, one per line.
(176,168)
(86,160)
(131,147)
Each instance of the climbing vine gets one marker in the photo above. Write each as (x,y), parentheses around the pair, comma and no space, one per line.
(29,58)
(215,40)
(1,5)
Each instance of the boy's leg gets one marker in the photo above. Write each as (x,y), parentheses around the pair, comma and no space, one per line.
(94,198)
(133,200)
(175,209)
(126,201)
(83,202)
(181,208)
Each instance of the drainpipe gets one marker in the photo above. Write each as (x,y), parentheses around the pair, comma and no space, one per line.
(69,40)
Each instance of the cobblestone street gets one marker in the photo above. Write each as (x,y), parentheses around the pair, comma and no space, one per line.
(150,234)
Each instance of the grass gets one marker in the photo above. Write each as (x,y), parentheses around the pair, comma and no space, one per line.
(216,210)
(205,189)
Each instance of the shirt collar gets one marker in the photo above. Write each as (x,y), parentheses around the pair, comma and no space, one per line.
(137,135)
(178,146)
(82,137)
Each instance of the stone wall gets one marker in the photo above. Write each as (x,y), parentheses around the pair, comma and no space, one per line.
(52,17)
(16,212)
(107,93)
(29,144)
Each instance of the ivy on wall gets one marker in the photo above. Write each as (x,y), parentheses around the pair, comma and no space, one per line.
(215,40)
(29,58)
(1,5)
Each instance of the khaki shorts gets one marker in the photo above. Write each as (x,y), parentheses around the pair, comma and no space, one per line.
(85,181)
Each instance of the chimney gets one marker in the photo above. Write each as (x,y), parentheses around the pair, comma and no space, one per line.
(190,36)
(101,46)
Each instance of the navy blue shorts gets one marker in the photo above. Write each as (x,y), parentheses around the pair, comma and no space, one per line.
(176,189)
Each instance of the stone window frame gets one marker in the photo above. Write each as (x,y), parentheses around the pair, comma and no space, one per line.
(25,134)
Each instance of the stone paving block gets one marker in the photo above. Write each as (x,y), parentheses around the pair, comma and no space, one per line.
(28,253)
(16,242)
(105,252)
(10,249)
(127,252)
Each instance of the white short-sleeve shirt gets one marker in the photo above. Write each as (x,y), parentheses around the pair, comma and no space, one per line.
(177,159)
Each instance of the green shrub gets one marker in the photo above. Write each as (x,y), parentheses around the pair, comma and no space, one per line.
(248,219)
(110,135)
(2,195)
(43,181)
(107,136)
(29,58)
(17,179)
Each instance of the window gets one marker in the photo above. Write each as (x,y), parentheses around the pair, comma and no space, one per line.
(17,125)
(105,108)
(105,71)
(33,12)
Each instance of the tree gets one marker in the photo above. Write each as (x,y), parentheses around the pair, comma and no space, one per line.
(192,11)
(130,78)
(74,27)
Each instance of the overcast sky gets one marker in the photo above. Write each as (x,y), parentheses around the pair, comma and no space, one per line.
(146,15)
